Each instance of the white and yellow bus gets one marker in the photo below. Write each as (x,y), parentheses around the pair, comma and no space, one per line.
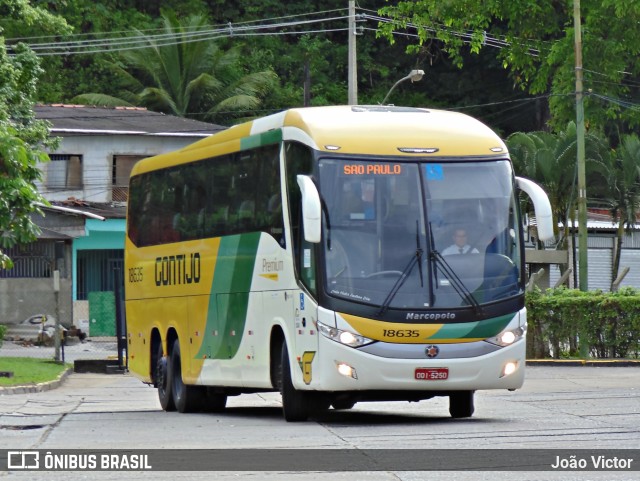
(307,252)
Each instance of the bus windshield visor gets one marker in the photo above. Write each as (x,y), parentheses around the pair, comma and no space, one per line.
(420,235)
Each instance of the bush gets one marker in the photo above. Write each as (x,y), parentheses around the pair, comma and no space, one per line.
(3,329)
(606,323)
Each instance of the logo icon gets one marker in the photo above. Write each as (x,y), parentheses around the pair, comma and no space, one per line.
(23,460)
(432,351)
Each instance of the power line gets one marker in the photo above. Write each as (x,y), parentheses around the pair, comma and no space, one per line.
(503,102)
(240,29)
(488,40)
(162,29)
(178,37)
(619,102)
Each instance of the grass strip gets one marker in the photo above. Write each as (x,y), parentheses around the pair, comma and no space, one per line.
(30,371)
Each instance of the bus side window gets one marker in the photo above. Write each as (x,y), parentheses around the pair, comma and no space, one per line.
(299,161)
(271,197)
(134,214)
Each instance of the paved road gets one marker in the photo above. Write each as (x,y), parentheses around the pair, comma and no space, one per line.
(559,407)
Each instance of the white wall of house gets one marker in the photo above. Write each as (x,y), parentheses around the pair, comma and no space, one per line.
(97,153)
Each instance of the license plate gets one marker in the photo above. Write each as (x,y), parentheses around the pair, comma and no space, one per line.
(432,373)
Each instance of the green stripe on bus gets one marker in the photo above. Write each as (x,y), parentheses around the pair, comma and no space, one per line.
(474,330)
(258,140)
(229,301)
(491,327)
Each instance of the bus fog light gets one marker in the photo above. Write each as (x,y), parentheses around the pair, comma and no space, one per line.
(347,370)
(509,368)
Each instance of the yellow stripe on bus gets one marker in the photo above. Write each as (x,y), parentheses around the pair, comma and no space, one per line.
(271,277)
(388,331)
(401,333)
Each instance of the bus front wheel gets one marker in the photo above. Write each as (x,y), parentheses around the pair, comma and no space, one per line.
(186,398)
(295,404)
(342,404)
(163,381)
(214,402)
(461,404)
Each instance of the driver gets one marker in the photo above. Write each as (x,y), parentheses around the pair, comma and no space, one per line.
(460,245)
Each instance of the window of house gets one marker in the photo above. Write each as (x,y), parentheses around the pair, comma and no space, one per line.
(121,170)
(64,172)
(33,260)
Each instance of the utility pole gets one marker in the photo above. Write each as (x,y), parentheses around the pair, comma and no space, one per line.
(352,67)
(582,190)
(57,332)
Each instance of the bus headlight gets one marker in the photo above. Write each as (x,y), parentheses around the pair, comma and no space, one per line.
(343,337)
(508,336)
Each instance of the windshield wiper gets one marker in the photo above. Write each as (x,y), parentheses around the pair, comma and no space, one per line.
(415,259)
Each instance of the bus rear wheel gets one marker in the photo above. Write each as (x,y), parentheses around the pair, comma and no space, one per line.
(163,381)
(295,404)
(461,404)
(186,398)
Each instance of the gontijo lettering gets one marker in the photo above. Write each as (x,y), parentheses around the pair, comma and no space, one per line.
(372,169)
(178,269)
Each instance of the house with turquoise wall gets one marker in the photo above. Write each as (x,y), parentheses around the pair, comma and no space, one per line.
(82,240)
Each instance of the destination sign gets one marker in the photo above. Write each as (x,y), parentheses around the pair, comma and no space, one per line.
(372,169)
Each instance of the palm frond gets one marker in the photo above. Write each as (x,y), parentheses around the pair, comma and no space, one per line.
(160,101)
(101,100)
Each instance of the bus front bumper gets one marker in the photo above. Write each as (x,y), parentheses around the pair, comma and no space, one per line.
(342,368)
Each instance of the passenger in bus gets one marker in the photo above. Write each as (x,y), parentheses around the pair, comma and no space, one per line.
(460,244)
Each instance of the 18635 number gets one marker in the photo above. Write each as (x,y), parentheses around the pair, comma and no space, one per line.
(401,333)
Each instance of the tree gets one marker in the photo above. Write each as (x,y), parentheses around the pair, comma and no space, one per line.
(621,190)
(187,77)
(22,137)
(535,39)
(550,160)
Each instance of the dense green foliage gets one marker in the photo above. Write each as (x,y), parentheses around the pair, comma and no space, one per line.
(535,40)
(613,177)
(23,139)
(177,76)
(609,323)
(550,159)
(3,330)
(309,59)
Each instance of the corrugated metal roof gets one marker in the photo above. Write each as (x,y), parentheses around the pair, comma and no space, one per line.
(88,120)
(109,211)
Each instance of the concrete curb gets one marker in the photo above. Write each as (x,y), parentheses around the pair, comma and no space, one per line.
(98,366)
(34,388)
(584,362)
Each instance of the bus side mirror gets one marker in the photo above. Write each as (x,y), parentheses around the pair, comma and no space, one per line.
(311,209)
(541,205)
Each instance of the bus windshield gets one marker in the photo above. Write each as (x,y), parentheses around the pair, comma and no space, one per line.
(420,235)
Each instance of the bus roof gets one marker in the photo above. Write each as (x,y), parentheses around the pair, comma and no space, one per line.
(350,129)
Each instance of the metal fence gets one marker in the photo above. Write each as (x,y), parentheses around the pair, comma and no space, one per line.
(35,336)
